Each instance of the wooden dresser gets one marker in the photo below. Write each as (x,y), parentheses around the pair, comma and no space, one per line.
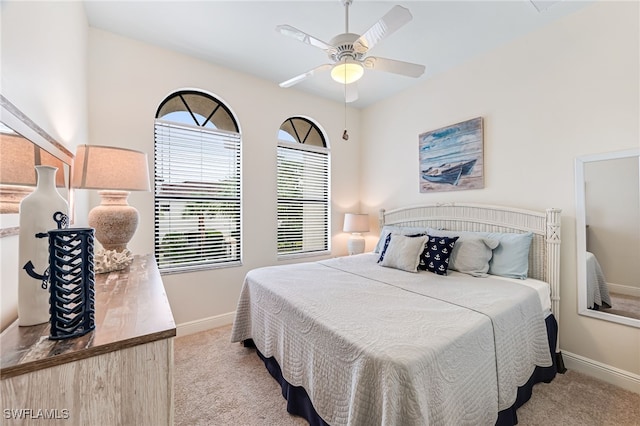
(121,373)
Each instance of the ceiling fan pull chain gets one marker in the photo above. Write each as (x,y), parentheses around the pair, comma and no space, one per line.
(345,135)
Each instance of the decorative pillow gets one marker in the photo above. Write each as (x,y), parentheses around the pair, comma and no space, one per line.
(386,244)
(471,253)
(511,258)
(384,247)
(435,257)
(403,252)
(403,230)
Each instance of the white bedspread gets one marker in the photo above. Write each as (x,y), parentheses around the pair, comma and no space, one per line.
(374,345)
(597,287)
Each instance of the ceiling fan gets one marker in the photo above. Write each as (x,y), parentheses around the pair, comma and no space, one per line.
(347,51)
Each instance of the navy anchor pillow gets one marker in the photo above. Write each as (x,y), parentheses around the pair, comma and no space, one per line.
(435,257)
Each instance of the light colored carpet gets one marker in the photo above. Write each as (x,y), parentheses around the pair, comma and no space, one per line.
(218,383)
(624,305)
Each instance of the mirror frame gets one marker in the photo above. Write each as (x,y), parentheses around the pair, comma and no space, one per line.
(19,122)
(581,236)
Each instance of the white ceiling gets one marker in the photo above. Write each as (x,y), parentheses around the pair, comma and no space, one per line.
(241,35)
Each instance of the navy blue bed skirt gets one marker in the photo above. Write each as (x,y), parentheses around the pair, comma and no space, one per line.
(298,402)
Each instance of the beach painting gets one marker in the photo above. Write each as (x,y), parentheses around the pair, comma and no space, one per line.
(451,158)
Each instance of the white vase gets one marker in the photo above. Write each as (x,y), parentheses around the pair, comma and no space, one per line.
(37,212)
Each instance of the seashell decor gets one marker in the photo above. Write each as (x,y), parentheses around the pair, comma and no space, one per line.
(111,260)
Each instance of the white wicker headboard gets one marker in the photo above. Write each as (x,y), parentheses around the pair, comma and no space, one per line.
(544,256)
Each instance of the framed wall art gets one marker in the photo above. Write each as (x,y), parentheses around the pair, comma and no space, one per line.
(451,158)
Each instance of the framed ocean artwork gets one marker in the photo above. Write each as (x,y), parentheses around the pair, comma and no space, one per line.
(451,158)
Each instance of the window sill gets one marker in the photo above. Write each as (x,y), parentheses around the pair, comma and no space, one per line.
(198,268)
(283,257)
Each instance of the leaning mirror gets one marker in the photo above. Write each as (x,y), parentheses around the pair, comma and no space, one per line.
(608,236)
(23,145)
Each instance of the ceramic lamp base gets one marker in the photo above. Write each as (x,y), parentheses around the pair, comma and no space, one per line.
(114,220)
(355,245)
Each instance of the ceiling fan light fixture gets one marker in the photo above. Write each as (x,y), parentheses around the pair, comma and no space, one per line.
(347,72)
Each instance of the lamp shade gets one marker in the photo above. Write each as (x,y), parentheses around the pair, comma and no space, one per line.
(107,167)
(347,72)
(356,222)
(18,158)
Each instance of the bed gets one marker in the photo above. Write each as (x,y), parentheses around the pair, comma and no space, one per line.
(597,287)
(354,341)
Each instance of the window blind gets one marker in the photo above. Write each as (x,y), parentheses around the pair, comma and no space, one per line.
(303,200)
(197,197)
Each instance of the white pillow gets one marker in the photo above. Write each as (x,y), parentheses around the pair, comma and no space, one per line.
(404,230)
(404,252)
(472,252)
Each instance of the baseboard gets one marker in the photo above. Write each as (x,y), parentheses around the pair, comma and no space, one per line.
(624,289)
(197,326)
(604,372)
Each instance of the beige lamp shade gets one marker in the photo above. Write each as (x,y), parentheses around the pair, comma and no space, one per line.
(356,222)
(18,158)
(108,167)
(18,176)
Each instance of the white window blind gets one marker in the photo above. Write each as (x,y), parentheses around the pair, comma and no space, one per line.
(303,200)
(197,197)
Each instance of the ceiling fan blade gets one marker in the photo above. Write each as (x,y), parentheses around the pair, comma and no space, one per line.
(396,67)
(351,92)
(297,79)
(290,31)
(394,19)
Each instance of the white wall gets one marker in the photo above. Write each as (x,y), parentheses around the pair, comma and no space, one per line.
(569,89)
(44,74)
(129,79)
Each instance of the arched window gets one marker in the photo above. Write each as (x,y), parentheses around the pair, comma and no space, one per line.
(197,183)
(303,189)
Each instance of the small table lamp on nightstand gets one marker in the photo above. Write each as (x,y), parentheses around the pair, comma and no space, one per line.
(356,223)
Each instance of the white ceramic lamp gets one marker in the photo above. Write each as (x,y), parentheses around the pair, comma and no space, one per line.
(115,172)
(356,223)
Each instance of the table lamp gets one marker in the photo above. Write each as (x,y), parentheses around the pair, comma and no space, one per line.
(356,223)
(114,172)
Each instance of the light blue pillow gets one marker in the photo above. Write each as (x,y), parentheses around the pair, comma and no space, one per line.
(511,258)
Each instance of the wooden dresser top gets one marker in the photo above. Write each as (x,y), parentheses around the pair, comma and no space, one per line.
(131,308)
